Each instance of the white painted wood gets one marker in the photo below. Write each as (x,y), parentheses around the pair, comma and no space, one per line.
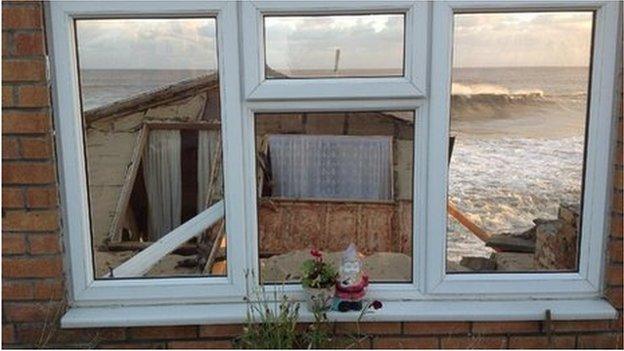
(124,196)
(142,262)
(411,85)
(587,281)
(400,311)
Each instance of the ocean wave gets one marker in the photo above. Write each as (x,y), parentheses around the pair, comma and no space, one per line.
(493,101)
(494,95)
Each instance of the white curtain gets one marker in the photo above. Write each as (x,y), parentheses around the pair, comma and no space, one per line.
(331,166)
(207,154)
(162,173)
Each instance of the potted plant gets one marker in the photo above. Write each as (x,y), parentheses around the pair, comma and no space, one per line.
(319,281)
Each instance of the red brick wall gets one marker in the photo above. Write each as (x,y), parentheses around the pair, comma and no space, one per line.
(32,275)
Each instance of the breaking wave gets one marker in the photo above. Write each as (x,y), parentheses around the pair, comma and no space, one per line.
(493,101)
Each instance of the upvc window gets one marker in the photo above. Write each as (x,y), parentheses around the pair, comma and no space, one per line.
(266,89)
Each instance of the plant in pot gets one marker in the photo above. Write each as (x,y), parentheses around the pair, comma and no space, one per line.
(319,281)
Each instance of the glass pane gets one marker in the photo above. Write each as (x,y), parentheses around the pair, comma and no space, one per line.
(151,118)
(518,124)
(334,46)
(326,180)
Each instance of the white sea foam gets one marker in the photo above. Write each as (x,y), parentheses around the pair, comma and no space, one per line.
(490,89)
(505,183)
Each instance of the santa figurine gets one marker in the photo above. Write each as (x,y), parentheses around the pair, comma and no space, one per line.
(352,282)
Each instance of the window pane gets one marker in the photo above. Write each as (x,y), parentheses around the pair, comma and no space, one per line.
(326,180)
(518,124)
(334,46)
(151,118)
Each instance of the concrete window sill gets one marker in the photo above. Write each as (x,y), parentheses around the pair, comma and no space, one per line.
(392,311)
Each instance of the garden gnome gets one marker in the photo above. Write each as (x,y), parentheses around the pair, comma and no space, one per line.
(351,284)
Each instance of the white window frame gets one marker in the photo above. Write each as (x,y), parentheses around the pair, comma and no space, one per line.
(412,84)
(432,294)
(85,290)
(587,282)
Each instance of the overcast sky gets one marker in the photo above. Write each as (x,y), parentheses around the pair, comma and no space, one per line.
(481,40)
(147,44)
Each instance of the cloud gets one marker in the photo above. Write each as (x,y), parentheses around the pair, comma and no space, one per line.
(147,44)
(310,42)
(365,41)
(522,39)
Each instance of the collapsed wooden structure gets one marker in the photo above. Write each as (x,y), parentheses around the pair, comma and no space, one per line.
(116,139)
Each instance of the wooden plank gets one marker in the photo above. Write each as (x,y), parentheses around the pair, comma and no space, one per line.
(126,190)
(142,262)
(475,229)
(184,125)
(150,99)
(215,248)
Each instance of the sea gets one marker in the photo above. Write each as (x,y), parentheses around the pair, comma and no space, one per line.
(519,141)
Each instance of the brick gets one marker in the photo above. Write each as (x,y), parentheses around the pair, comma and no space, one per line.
(617,202)
(132,345)
(541,342)
(8,334)
(573,326)
(23,71)
(350,343)
(10,148)
(13,243)
(505,327)
(200,344)
(177,332)
(22,17)
(38,197)
(25,122)
(619,153)
(17,290)
(615,296)
(39,148)
(599,341)
(44,244)
(27,312)
(36,220)
(436,328)
(618,324)
(406,343)
(474,342)
(28,173)
(33,96)
(221,330)
(618,179)
(615,251)
(325,123)
(7,96)
(84,337)
(27,44)
(614,274)
(375,328)
(617,227)
(7,38)
(12,197)
(48,290)
(35,267)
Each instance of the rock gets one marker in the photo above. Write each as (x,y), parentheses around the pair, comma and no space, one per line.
(510,242)
(479,264)
(513,261)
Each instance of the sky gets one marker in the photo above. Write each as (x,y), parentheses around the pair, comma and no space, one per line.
(365,41)
(147,44)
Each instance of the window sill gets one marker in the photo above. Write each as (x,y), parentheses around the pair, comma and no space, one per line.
(393,311)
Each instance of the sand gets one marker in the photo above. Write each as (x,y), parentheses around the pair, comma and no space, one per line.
(380,266)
